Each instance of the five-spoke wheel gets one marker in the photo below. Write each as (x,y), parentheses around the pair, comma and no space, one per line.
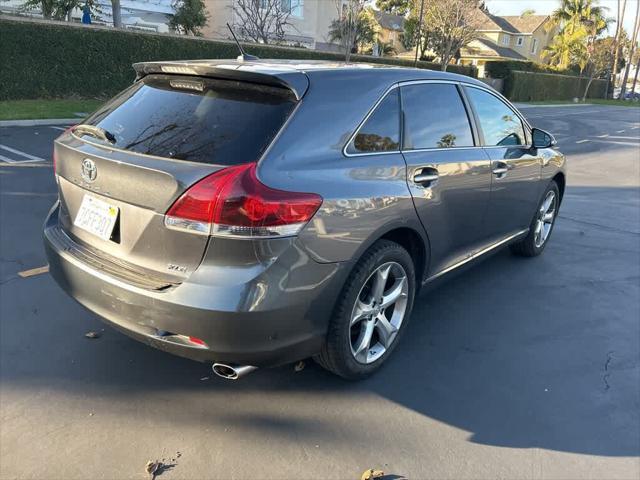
(378,312)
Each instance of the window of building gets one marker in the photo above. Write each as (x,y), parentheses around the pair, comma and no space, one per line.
(435,117)
(381,131)
(534,45)
(296,7)
(506,39)
(500,125)
(520,41)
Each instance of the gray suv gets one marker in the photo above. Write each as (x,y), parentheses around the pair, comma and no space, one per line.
(255,213)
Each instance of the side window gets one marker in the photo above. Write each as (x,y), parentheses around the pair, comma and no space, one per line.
(435,117)
(381,131)
(500,125)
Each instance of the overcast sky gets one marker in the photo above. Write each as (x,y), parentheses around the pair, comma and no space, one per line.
(515,7)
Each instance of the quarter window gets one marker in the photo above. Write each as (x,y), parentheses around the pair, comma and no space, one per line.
(500,125)
(435,117)
(381,131)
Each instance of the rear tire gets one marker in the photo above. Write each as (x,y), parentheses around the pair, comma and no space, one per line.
(366,325)
(541,225)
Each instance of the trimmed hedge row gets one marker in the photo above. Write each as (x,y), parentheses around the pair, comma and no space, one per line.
(529,86)
(45,59)
(499,69)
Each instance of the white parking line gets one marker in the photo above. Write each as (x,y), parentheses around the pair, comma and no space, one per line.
(602,136)
(621,131)
(582,141)
(5,159)
(31,158)
(59,128)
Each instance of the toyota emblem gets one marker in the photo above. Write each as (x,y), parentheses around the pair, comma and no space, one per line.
(89,170)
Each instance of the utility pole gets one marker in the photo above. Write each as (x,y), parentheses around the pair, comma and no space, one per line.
(419,34)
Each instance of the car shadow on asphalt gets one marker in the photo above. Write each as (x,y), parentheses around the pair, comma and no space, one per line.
(520,353)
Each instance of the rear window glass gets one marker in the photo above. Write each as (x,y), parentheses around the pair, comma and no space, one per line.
(200,120)
(381,131)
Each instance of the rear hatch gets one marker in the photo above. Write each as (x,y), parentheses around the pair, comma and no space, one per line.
(126,165)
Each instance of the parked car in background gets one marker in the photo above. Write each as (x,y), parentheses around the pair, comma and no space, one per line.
(257,213)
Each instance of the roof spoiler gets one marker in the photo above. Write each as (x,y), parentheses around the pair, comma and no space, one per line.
(295,81)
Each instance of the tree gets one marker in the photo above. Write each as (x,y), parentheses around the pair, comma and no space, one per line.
(263,21)
(397,7)
(599,61)
(619,20)
(580,21)
(528,12)
(60,9)
(190,16)
(355,26)
(450,26)
(47,7)
(116,13)
(632,48)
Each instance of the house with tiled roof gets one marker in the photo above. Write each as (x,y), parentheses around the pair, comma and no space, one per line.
(521,38)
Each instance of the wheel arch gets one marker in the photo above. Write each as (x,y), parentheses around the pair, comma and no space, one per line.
(561,181)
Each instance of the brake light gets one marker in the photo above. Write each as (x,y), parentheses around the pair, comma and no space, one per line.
(233,202)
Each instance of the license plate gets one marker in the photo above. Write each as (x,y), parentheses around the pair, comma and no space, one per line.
(97,217)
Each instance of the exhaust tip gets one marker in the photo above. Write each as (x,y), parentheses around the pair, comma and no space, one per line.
(232,372)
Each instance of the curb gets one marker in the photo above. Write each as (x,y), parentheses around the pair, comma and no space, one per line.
(34,123)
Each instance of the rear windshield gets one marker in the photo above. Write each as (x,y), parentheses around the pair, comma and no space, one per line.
(200,120)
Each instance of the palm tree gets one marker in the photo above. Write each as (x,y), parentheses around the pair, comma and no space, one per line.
(580,22)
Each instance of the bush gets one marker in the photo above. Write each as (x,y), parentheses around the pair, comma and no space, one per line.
(528,86)
(498,69)
(45,59)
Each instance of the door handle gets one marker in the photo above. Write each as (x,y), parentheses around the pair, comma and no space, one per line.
(500,169)
(425,175)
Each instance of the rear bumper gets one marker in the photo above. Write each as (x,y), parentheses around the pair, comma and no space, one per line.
(262,314)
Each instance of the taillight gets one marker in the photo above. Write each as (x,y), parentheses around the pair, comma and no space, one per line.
(233,202)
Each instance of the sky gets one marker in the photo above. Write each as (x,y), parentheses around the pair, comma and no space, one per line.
(515,7)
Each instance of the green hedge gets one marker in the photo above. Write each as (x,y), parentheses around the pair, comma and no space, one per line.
(45,59)
(502,69)
(529,86)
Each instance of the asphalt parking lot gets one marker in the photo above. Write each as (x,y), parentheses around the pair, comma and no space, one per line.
(514,369)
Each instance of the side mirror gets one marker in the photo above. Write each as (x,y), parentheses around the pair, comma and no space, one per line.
(542,139)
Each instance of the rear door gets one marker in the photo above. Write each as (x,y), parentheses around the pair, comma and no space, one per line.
(448,174)
(135,156)
(516,167)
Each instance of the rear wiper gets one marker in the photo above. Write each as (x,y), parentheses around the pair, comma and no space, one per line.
(94,131)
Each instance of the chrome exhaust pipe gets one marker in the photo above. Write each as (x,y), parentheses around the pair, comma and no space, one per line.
(232,372)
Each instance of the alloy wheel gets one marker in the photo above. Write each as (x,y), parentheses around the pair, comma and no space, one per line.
(545,219)
(378,312)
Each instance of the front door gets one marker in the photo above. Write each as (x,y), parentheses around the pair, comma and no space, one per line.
(448,175)
(516,167)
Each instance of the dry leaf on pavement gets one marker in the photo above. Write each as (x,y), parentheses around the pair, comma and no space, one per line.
(371,474)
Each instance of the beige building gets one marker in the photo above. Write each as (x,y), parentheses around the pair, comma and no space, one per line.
(391,30)
(521,38)
(309,21)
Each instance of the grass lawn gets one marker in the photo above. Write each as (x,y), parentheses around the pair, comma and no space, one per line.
(51,108)
(590,101)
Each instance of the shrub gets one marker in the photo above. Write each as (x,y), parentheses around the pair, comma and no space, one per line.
(499,69)
(528,86)
(46,59)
